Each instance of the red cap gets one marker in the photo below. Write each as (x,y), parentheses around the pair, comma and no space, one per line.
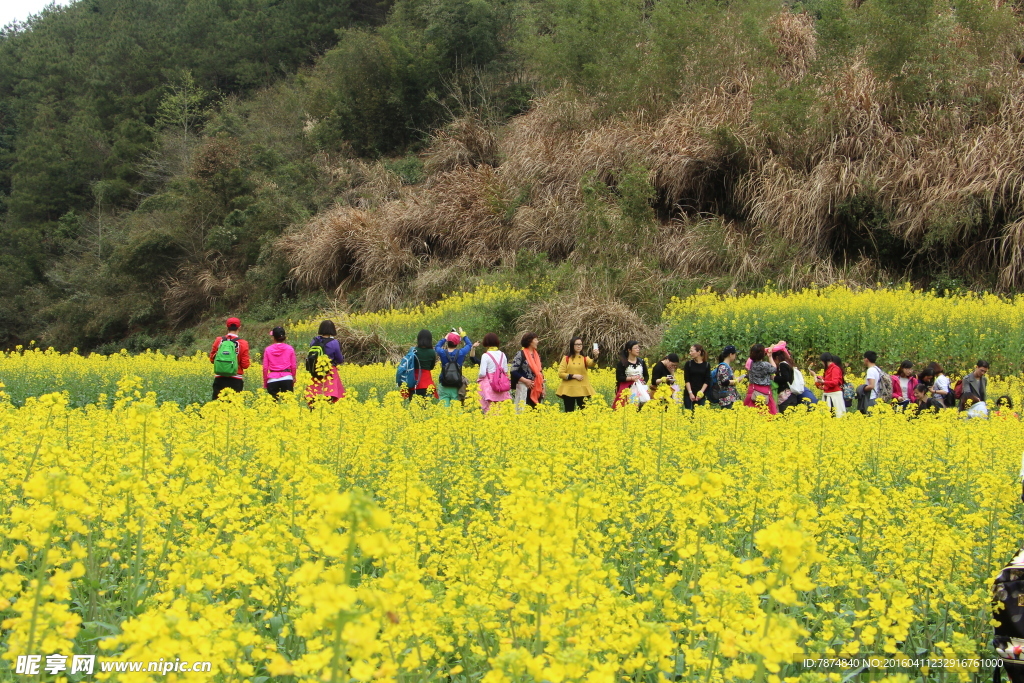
(233,321)
(453,337)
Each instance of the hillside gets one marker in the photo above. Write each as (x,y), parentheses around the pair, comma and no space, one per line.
(620,152)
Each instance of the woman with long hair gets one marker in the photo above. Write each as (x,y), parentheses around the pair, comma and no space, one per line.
(630,370)
(575,387)
(696,377)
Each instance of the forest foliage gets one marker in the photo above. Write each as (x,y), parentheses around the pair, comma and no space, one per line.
(163,160)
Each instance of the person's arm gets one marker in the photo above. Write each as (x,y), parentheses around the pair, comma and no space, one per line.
(870,381)
(243,355)
(705,378)
(484,359)
(439,346)
(333,350)
(518,373)
(294,367)
(643,366)
(266,372)
(216,345)
(563,369)
(620,372)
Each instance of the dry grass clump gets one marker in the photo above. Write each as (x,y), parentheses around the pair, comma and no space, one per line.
(594,317)
(796,41)
(324,251)
(466,141)
(194,289)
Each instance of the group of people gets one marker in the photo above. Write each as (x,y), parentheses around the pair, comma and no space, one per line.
(230,358)
(773,379)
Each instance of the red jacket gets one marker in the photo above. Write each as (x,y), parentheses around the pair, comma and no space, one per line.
(897,390)
(833,379)
(243,352)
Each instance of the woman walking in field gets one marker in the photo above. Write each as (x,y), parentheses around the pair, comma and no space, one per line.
(322,361)
(832,383)
(759,379)
(528,373)
(575,387)
(631,370)
(426,359)
(279,365)
(726,379)
(493,378)
(696,377)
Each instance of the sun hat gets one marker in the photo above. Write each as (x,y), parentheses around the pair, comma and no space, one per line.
(453,337)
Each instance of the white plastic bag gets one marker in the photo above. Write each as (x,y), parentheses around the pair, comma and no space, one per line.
(639,393)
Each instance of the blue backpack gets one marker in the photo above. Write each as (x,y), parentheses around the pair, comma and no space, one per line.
(713,392)
(407,367)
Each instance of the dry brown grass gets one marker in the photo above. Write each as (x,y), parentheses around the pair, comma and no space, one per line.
(745,202)
(796,41)
(605,320)
(464,142)
(194,289)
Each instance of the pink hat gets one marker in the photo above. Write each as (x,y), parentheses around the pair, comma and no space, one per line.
(453,337)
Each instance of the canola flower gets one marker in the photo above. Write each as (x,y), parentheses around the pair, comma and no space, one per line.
(368,541)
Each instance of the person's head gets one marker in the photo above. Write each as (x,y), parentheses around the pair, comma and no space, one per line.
(327,329)
(981,368)
(757,352)
(870,358)
(278,334)
(1004,403)
(671,361)
(825,358)
(425,340)
(779,356)
(920,392)
(491,341)
(936,369)
(529,341)
(698,353)
(728,354)
(906,369)
(968,400)
(837,361)
(233,324)
(632,348)
(575,347)
(452,339)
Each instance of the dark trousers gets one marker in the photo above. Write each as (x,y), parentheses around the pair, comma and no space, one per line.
(574,402)
(275,388)
(221,383)
(688,404)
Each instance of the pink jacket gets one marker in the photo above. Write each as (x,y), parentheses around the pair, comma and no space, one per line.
(897,390)
(278,362)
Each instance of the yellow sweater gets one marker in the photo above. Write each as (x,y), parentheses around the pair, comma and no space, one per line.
(577,365)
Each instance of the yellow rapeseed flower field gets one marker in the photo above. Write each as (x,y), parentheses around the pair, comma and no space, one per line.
(373,540)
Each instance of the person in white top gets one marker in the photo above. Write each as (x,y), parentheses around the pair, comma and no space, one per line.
(941,385)
(492,362)
(867,393)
